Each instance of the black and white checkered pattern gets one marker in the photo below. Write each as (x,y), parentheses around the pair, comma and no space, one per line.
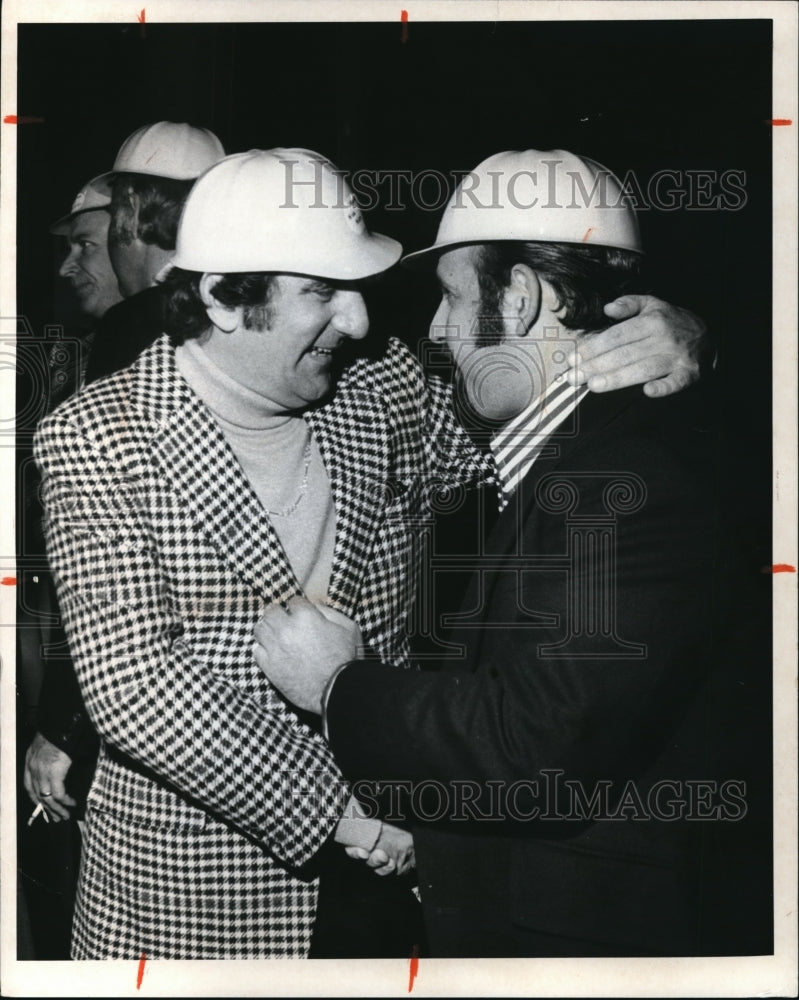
(162,894)
(210,794)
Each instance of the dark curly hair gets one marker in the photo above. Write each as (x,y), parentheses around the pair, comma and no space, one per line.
(185,316)
(583,278)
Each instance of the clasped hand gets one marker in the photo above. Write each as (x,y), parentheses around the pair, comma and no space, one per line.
(383,847)
(299,647)
(393,852)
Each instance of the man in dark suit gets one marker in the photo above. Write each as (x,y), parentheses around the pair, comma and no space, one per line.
(584,782)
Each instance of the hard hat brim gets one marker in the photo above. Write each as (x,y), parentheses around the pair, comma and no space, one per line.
(61,226)
(372,255)
(383,253)
(426,259)
(104,185)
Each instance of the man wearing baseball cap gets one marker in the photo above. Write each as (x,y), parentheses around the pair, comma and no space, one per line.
(232,466)
(550,776)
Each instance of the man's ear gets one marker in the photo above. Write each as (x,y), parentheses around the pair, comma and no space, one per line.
(522,298)
(224,318)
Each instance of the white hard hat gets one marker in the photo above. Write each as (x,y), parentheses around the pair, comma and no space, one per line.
(536,196)
(285,210)
(173,150)
(88,199)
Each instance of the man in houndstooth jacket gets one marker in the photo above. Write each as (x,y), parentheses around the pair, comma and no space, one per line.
(212,798)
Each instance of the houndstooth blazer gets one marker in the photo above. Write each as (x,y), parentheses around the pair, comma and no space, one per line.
(211,797)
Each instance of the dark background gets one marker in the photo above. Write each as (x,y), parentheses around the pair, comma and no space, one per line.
(641,96)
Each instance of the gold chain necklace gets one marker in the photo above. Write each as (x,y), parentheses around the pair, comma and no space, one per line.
(288,511)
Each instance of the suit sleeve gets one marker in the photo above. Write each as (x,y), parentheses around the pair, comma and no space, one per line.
(517,710)
(145,691)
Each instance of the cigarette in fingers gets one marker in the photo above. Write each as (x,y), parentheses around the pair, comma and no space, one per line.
(39,809)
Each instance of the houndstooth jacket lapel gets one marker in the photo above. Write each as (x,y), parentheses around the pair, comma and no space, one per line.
(352,434)
(194,455)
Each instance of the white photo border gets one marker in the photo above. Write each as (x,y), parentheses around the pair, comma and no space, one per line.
(736,976)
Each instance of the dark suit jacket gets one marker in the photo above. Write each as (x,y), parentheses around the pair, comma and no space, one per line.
(125,331)
(597,639)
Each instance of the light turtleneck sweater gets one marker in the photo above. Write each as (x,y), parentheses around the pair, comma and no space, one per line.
(272,450)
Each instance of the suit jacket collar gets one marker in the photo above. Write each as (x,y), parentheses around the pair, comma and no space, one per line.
(594,413)
(192,452)
(507,537)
